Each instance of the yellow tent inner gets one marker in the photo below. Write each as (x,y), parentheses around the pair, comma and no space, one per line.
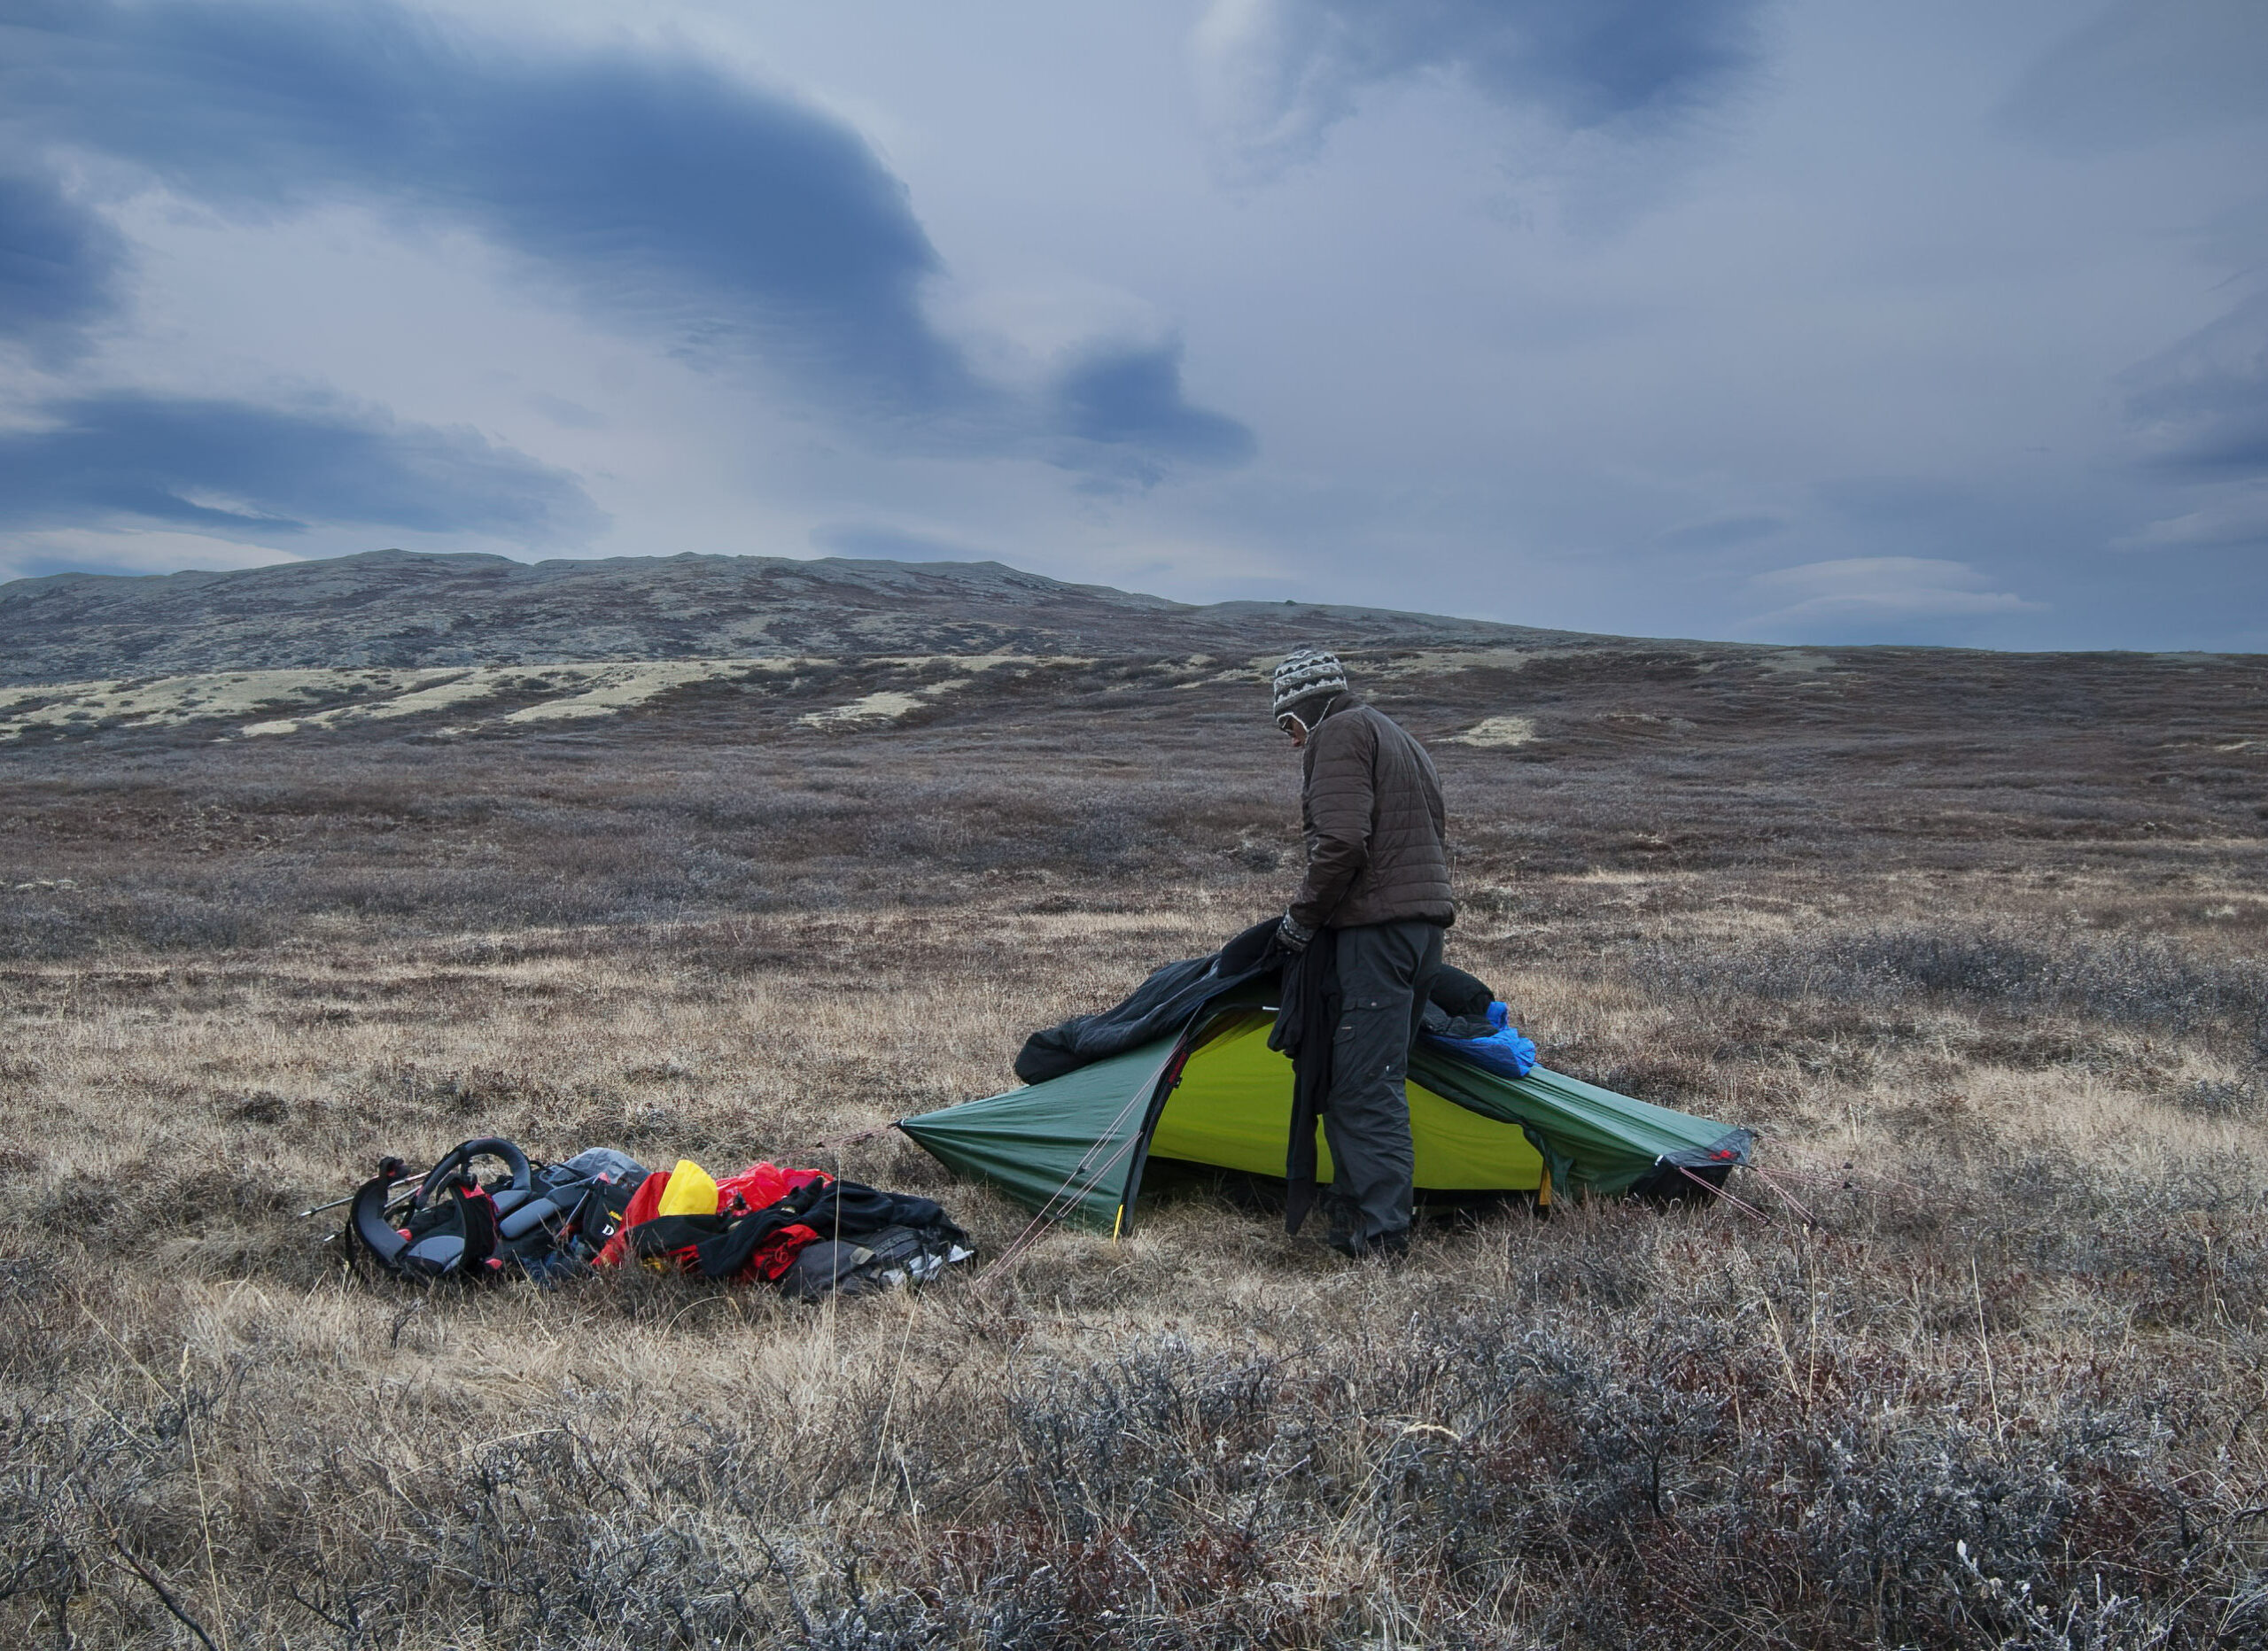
(1233,1109)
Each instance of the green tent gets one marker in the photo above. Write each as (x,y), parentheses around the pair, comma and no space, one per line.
(1075,1147)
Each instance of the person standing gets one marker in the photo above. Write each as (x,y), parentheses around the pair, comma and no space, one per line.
(1377,875)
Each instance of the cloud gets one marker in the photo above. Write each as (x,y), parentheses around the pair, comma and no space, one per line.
(2200,408)
(652,189)
(1276,75)
(2149,69)
(1124,409)
(60,266)
(1723,532)
(129,551)
(1860,597)
(875,542)
(267,475)
(2230,517)
(656,188)
(565,414)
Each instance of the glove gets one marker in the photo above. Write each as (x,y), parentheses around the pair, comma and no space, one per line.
(1294,935)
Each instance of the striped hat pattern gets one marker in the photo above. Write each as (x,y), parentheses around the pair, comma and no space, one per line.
(1305,672)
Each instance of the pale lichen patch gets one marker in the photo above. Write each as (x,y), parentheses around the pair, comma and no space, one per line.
(333,698)
(886,706)
(874,710)
(1496,733)
(166,702)
(618,688)
(1434,662)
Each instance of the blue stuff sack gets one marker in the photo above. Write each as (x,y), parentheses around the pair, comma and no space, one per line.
(1503,1051)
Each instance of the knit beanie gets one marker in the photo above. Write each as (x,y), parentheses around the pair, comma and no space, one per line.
(1306,673)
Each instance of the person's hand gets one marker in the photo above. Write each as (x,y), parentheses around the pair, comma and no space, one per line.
(1294,935)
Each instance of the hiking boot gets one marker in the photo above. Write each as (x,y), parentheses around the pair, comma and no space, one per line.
(1384,1246)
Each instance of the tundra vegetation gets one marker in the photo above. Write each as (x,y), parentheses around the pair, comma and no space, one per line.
(1974,941)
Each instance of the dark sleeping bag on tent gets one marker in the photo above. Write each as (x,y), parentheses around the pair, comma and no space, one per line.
(1159,1007)
(1163,1003)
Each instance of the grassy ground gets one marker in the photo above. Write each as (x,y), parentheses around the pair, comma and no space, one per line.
(1973,944)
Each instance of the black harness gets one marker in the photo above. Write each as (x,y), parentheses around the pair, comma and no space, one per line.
(540,1221)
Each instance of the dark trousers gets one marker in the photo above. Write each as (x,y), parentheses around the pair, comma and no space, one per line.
(1385,970)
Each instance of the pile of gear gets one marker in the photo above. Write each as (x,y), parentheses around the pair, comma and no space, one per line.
(804,1230)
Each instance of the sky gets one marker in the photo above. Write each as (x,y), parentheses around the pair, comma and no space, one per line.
(1795,321)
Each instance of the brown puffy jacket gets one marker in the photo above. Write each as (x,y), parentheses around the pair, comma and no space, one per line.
(1377,849)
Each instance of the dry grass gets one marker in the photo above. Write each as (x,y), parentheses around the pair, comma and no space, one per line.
(2000,1017)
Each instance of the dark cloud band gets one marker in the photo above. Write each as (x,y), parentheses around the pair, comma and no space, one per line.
(266,475)
(2201,406)
(1296,67)
(1126,415)
(653,188)
(59,267)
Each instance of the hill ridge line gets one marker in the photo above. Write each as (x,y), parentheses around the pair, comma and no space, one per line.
(417,610)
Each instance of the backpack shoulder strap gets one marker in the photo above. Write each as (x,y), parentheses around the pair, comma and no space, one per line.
(366,1217)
